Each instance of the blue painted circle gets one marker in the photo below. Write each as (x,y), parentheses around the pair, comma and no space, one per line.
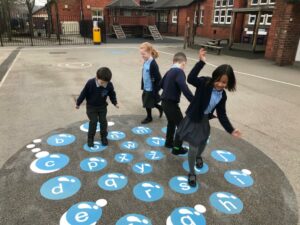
(134,219)
(116,135)
(85,127)
(203,170)
(156,141)
(82,213)
(142,168)
(164,130)
(148,191)
(185,216)
(226,203)
(180,185)
(154,155)
(223,156)
(93,164)
(112,181)
(123,157)
(238,178)
(52,162)
(98,147)
(60,187)
(129,145)
(141,130)
(61,140)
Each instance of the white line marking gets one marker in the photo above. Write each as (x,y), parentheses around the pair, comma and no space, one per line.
(9,69)
(242,73)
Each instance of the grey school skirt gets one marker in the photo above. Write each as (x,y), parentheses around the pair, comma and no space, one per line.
(148,99)
(194,133)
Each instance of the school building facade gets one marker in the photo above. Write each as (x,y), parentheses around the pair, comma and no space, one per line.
(278,28)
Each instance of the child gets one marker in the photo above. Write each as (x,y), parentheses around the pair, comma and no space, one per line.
(150,81)
(95,92)
(173,83)
(209,95)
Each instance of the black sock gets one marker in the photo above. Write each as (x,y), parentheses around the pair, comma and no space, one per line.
(149,113)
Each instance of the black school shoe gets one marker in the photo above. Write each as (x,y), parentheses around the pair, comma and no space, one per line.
(90,142)
(180,151)
(199,162)
(192,180)
(104,141)
(146,120)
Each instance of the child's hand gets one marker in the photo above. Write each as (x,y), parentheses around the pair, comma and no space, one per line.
(236,133)
(117,106)
(77,106)
(202,54)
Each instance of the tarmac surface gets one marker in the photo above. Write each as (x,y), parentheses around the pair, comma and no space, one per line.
(37,97)
(247,184)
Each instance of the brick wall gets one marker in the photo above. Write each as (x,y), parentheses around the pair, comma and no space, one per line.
(284,33)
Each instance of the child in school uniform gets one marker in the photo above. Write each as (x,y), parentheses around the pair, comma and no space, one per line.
(173,84)
(150,81)
(210,95)
(95,92)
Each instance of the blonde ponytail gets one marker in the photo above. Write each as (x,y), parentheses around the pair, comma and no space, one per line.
(149,48)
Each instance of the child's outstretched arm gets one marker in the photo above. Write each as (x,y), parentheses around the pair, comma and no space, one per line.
(82,95)
(181,81)
(222,116)
(193,78)
(113,96)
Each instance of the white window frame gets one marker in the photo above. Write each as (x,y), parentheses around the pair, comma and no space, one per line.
(262,19)
(250,17)
(174,16)
(196,17)
(266,3)
(272,2)
(228,16)
(201,16)
(267,16)
(216,3)
(255,3)
(99,13)
(223,16)
(216,18)
(229,4)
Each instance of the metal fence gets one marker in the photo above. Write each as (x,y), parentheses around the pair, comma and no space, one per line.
(60,30)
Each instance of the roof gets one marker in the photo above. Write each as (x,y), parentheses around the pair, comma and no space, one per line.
(123,4)
(163,4)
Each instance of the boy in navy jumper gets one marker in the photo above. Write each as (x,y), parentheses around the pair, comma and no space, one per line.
(95,92)
(173,83)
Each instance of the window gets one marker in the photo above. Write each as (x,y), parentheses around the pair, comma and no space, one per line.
(251,20)
(196,17)
(127,13)
(201,16)
(263,2)
(268,19)
(174,16)
(254,2)
(163,18)
(265,19)
(223,11)
(97,14)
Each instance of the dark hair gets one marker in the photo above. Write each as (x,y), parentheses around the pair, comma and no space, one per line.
(227,70)
(179,57)
(104,74)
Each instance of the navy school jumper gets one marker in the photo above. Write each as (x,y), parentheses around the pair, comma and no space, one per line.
(202,97)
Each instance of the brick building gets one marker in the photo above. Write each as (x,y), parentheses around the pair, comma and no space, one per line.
(278,29)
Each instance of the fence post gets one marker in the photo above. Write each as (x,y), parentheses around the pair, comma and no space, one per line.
(1,35)
(57,24)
